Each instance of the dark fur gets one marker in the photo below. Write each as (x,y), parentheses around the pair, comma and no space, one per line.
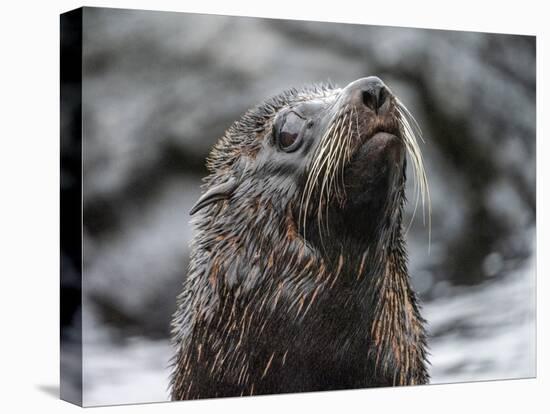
(267,309)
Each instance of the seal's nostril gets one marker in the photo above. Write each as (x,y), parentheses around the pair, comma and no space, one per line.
(382,96)
(370,99)
(375,96)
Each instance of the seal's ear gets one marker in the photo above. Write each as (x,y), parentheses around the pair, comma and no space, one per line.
(215,193)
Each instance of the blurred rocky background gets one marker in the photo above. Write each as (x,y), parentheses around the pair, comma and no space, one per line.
(159,90)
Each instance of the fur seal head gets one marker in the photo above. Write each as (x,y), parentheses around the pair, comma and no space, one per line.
(334,159)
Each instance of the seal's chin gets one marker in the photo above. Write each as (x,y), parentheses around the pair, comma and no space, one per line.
(373,173)
(381,148)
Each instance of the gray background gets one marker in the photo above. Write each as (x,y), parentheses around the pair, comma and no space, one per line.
(160,88)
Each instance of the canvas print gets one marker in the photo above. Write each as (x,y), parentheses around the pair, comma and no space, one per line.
(259,206)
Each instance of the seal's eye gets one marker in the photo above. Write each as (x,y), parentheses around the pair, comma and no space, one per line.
(288,135)
(286,139)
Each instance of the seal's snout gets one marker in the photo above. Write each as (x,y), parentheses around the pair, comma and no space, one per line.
(370,93)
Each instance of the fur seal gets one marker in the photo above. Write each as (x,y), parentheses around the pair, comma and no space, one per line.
(298,275)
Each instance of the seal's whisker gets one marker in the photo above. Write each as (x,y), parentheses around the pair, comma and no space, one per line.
(411,130)
(318,165)
(336,149)
(411,119)
(312,177)
(344,159)
(308,187)
(332,142)
(334,164)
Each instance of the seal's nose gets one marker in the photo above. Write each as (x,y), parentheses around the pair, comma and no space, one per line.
(371,93)
(374,93)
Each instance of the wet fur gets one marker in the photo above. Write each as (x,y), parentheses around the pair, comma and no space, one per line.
(271,307)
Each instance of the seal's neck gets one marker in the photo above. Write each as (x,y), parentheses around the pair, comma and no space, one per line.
(364,231)
(396,327)
(376,284)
